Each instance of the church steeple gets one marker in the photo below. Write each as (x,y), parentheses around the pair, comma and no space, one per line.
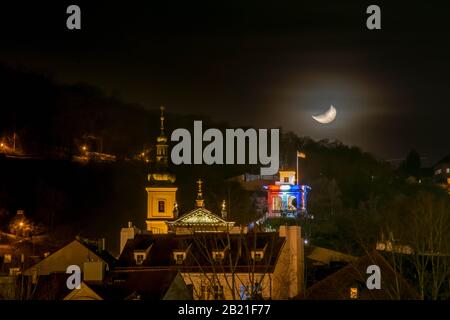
(161,145)
(160,172)
(161,192)
(199,201)
(224,210)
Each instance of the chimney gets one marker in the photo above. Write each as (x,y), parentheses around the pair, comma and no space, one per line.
(127,233)
(101,244)
(294,252)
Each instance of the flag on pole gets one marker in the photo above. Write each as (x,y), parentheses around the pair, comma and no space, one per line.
(301,155)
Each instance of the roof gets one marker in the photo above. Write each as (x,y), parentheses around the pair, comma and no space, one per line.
(326,256)
(199,248)
(103,254)
(337,286)
(71,256)
(446,159)
(145,285)
(200,217)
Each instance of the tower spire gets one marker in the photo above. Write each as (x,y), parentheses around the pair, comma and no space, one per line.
(161,142)
(200,202)
(224,210)
(161,171)
(162,119)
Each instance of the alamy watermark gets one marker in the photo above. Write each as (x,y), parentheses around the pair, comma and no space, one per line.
(237,141)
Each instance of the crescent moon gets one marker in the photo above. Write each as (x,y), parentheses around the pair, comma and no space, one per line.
(326,117)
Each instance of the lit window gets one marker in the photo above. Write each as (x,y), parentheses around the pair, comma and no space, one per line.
(179,257)
(203,292)
(218,292)
(161,206)
(7,258)
(250,292)
(353,293)
(257,255)
(14,271)
(139,259)
(218,255)
(448,170)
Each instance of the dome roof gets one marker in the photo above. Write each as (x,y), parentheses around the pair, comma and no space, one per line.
(161,139)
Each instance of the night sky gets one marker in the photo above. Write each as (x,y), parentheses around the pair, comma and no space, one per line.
(262,64)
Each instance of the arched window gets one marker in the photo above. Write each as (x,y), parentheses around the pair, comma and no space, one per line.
(161,206)
(292,203)
(277,203)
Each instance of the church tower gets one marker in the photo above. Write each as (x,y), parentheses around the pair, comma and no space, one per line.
(161,191)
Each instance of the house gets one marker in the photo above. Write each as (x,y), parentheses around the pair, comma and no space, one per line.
(442,173)
(223,265)
(349,282)
(78,252)
(141,285)
(324,256)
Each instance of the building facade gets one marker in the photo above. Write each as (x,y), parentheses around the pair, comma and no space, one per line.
(285,198)
(224,265)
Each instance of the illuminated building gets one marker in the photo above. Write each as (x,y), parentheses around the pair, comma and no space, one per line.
(161,192)
(162,208)
(285,198)
(202,220)
(442,173)
(222,265)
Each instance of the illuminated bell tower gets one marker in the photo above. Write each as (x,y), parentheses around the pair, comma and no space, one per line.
(161,192)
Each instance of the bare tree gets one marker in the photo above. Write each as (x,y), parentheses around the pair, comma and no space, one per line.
(430,226)
(418,229)
(225,260)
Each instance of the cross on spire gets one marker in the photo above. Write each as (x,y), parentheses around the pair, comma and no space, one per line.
(199,183)
(162,119)
(199,201)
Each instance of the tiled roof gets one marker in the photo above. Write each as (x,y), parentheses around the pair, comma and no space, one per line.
(148,285)
(200,250)
(446,159)
(337,285)
(103,254)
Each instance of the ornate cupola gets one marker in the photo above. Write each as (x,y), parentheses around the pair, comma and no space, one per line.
(223,211)
(160,173)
